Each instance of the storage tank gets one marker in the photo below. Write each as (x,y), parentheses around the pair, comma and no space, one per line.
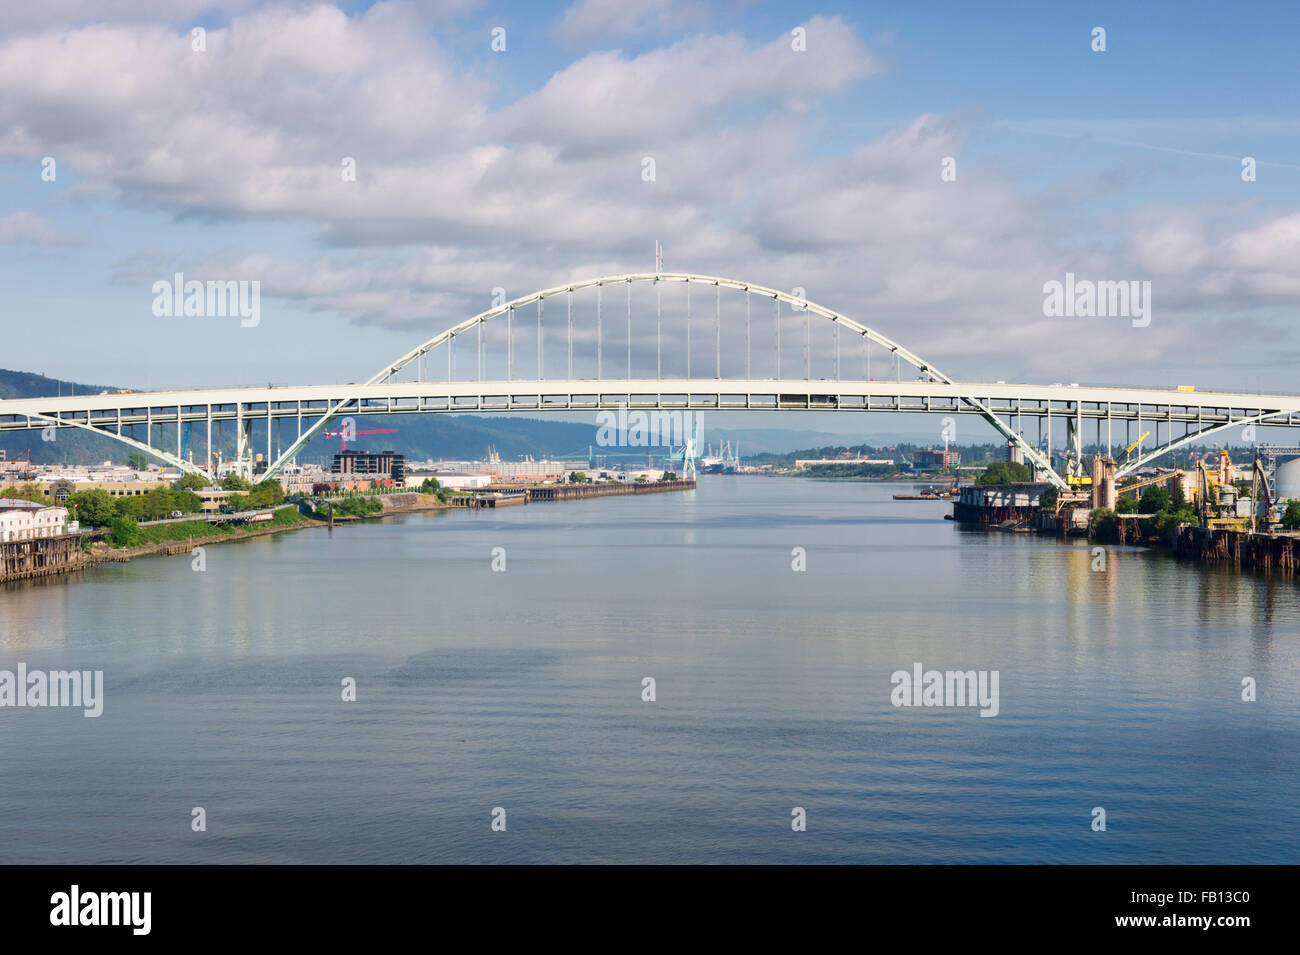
(1286,480)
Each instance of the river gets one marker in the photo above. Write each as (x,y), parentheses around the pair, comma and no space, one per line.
(521,688)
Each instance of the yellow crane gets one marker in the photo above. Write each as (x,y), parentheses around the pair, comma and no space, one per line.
(1084,480)
(1129,449)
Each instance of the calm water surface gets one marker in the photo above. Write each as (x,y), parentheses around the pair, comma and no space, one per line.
(522,689)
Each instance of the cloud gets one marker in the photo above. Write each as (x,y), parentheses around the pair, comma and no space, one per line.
(455,195)
(25,227)
(603,19)
(59,14)
(608,99)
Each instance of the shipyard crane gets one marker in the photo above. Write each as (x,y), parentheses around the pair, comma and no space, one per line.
(1129,449)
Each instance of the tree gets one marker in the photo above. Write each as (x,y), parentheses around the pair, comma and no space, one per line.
(266,494)
(668,476)
(132,507)
(27,492)
(190,482)
(1126,504)
(429,486)
(1291,516)
(1154,500)
(233,482)
(94,507)
(1005,472)
(1104,523)
(137,461)
(578,477)
(123,532)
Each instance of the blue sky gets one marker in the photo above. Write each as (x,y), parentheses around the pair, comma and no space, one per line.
(520,169)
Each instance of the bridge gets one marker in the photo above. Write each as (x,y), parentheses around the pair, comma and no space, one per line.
(404,386)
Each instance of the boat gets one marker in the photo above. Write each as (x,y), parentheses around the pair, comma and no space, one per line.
(726,461)
(927,494)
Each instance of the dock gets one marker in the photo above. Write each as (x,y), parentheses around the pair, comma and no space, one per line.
(1246,548)
(39,557)
(567,492)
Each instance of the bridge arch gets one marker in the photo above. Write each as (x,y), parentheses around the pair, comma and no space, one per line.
(1031,453)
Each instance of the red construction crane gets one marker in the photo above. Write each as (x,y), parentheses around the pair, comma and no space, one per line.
(352,434)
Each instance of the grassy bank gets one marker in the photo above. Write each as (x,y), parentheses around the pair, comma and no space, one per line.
(162,539)
(162,533)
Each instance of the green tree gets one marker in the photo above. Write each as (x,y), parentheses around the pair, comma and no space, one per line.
(27,492)
(137,461)
(1165,523)
(668,476)
(94,507)
(233,482)
(1291,516)
(429,486)
(1005,472)
(132,507)
(1154,500)
(1105,525)
(123,532)
(266,494)
(1126,504)
(190,482)
(578,477)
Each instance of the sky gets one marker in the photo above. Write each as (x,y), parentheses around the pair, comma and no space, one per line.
(522,168)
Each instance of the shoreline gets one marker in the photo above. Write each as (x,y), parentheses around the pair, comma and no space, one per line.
(121,555)
(394,505)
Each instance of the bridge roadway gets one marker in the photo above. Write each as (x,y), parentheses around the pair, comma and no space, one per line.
(113,411)
(1198,412)
(309,401)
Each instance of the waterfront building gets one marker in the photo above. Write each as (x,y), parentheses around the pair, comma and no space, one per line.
(375,466)
(27,520)
(212,498)
(935,458)
(63,488)
(803,464)
(453,480)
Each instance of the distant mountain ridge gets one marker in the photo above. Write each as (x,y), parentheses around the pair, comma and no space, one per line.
(27,384)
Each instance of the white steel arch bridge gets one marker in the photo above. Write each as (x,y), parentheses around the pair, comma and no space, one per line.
(134,418)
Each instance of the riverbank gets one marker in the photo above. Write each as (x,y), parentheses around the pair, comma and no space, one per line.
(171,539)
(183,537)
(1257,551)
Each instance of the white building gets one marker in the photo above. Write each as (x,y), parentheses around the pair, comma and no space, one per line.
(25,520)
(452,480)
